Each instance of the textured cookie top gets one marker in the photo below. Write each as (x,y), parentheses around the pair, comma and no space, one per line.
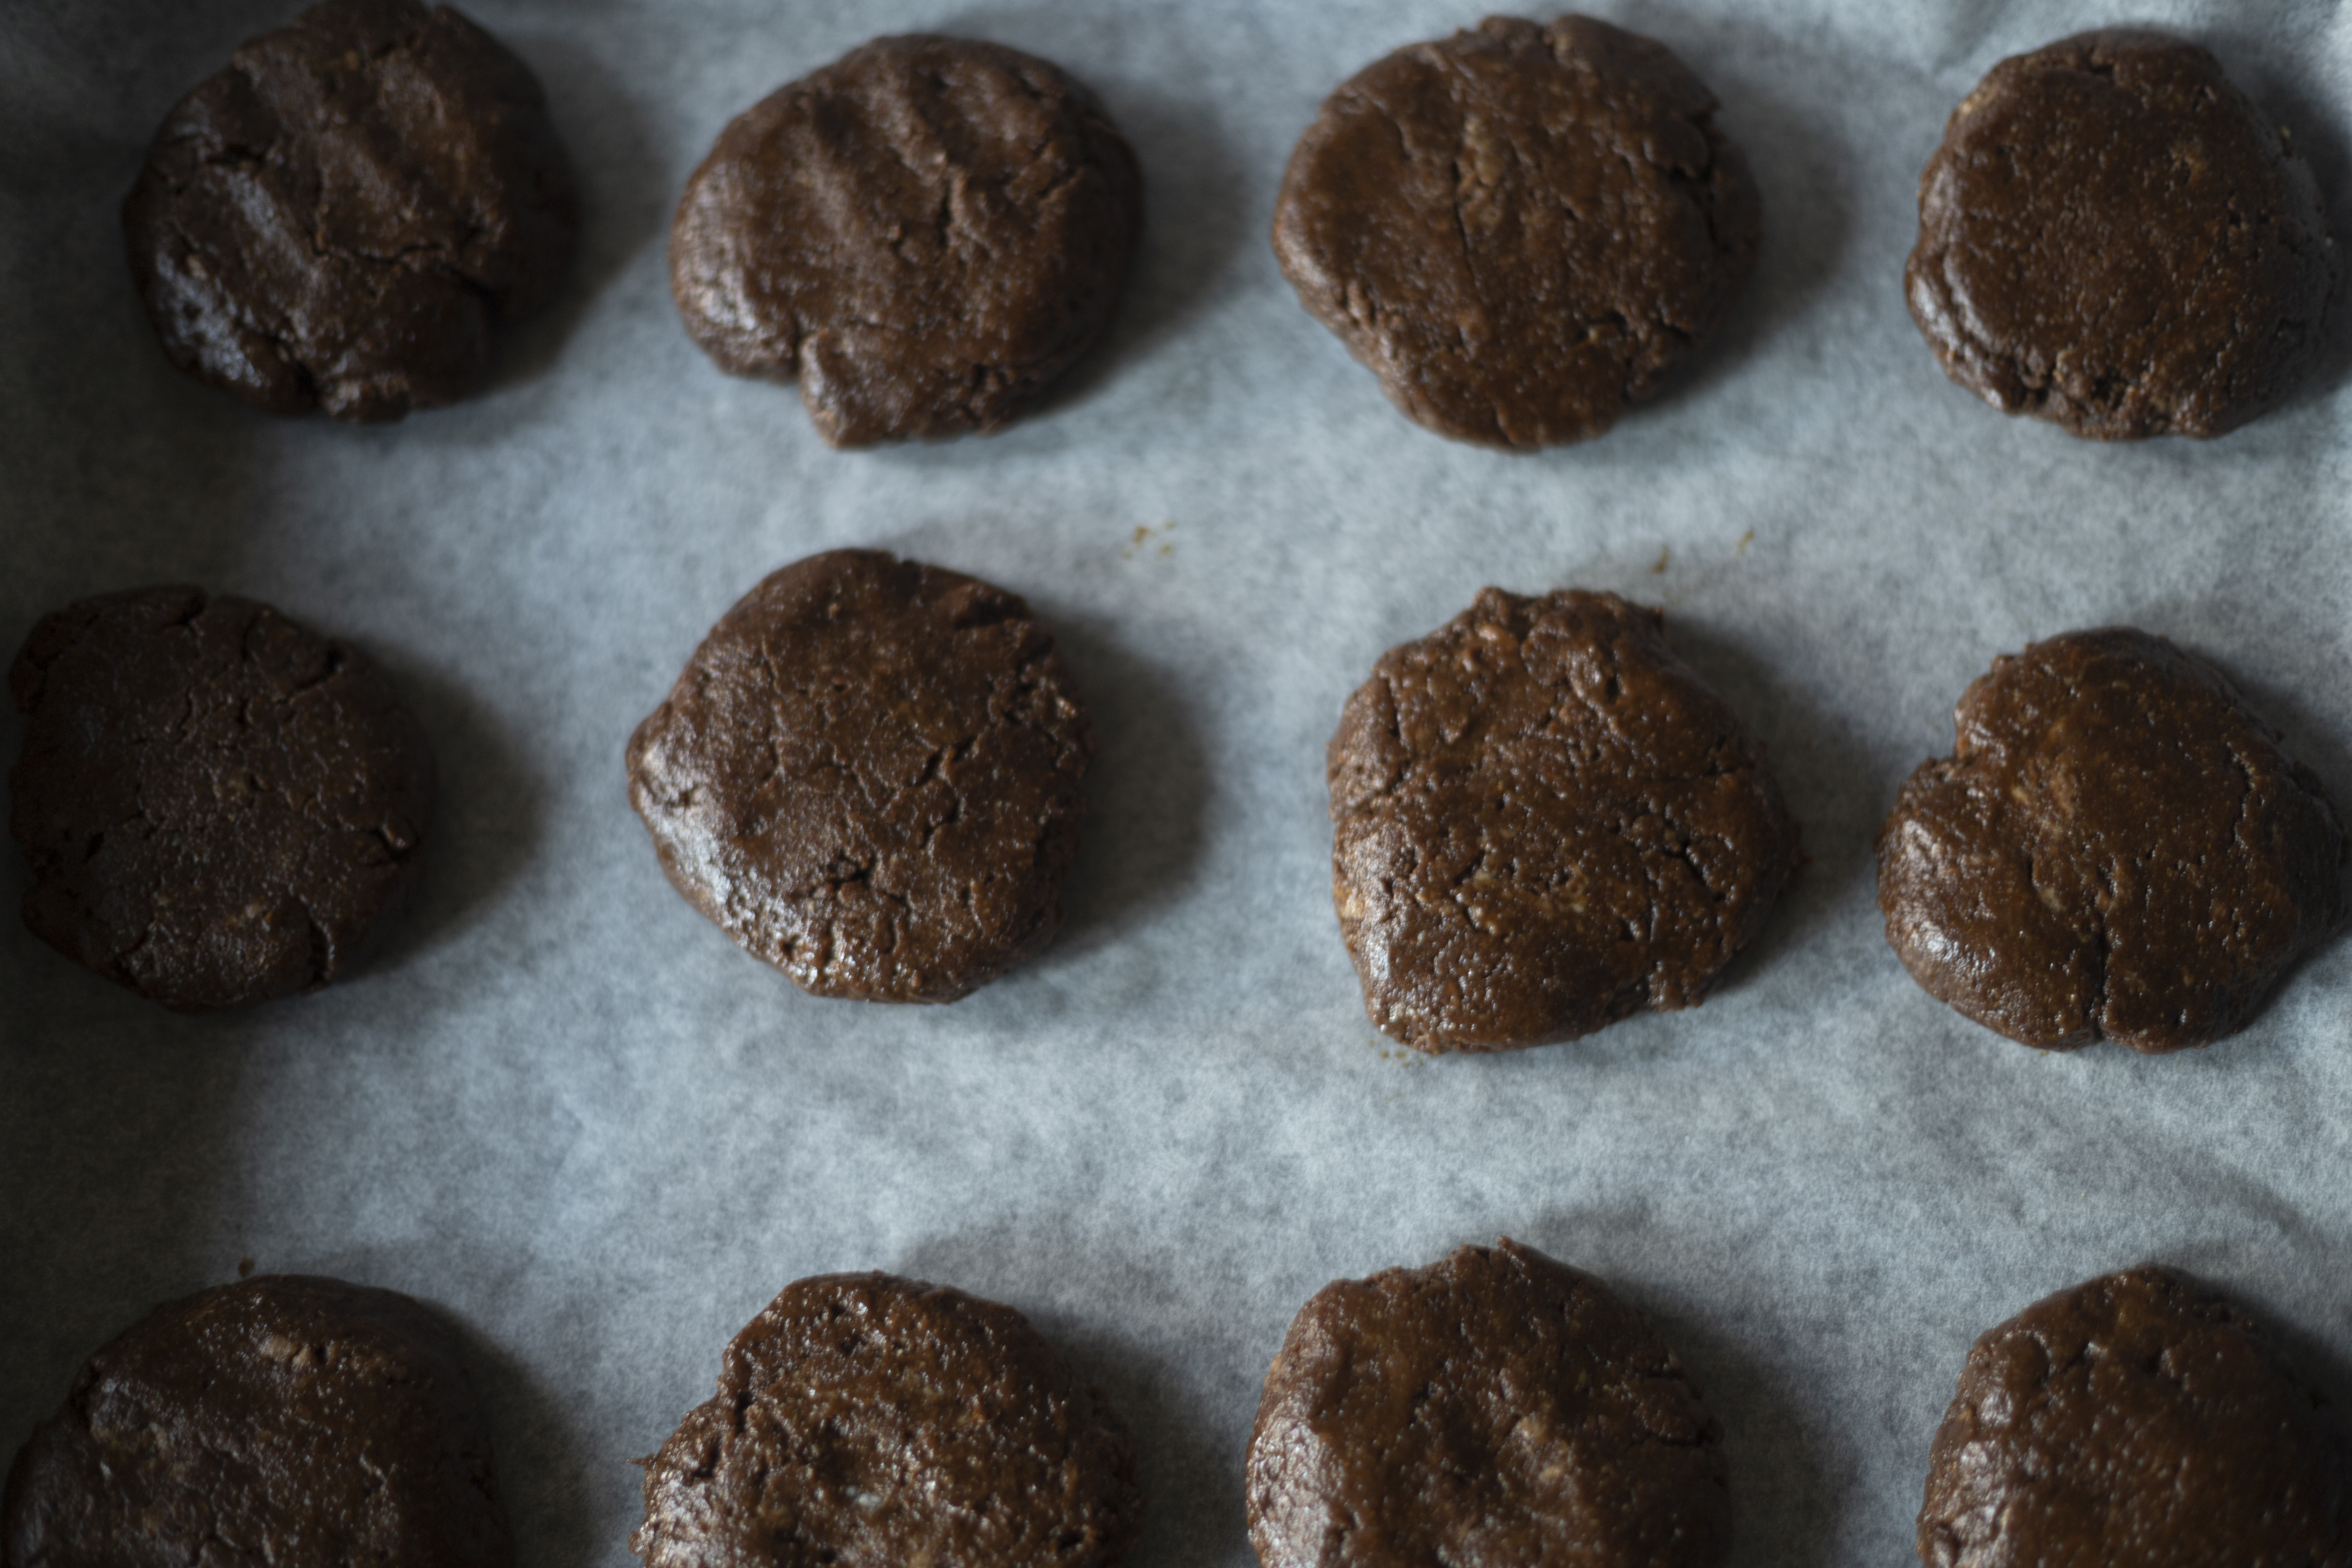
(2112,237)
(335,220)
(866,1420)
(216,803)
(298,1422)
(868,775)
(925,233)
(2134,1418)
(1521,229)
(1495,1408)
(1543,822)
(2118,848)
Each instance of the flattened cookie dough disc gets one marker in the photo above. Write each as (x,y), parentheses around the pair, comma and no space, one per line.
(868,776)
(925,234)
(336,220)
(301,1422)
(217,803)
(2119,849)
(868,1421)
(1495,1409)
(1543,822)
(2113,239)
(1520,229)
(2136,1418)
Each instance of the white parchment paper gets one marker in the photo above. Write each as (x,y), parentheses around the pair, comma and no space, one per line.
(566,1110)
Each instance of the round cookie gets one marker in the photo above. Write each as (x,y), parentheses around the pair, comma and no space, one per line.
(302,1422)
(2136,1418)
(2112,237)
(217,803)
(926,233)
(870,1421)
(1543,822)
(1520,229)
(336,219)
(2119,849)
(868,776)
(1494,1408)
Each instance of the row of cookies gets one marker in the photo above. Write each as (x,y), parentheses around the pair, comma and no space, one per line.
(1495,1407)
(1521,229)
(870,776)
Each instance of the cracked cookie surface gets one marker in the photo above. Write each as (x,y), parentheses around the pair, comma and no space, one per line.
(2136,1418)
(868,776)
(287,1419)
(2113,239)
(1543,822)
(216,805)
(1495,1408)
(2119,849)
(336,219)
(868,1421)
(925,234)
(1520,229)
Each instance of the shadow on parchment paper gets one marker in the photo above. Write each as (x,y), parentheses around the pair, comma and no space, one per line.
(542,1463)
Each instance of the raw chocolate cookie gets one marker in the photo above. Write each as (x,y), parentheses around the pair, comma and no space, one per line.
(926,232)
(1543,822)
(2117,849)
(1494,1410)
(335,220)
(1521,229)
(868,776)
(217,803)
(2136,1418)
(300,1422)
(869,1422)
(2113,239)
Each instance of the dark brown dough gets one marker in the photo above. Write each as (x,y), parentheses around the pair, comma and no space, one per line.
(868,775)
(2117,849)
(1495,1409)
(1520,229)
(2113,239)
(1543,822)
(286,1420)
(217,803)
(2136,1418)
(336,219)
(926,233)
(866,1420)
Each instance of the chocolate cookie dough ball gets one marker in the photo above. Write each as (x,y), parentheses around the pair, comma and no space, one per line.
(2136,1418)
(926,233)
(1494,1408)
(1520,229)
(216,805)
(2113,239)
(300,1422)
(870,1421)
(868,775)
(336,220)
(2119,849)
(1543,822)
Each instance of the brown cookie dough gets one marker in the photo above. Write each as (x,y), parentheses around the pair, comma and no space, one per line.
(1543,822)
(1495,1408)
(2119,849)
(217,803)
(926,233)
(870,1422)
(300,1422)
(868,775)
(2113,239)
(2136,1418)
(1520,229)
(336,219)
